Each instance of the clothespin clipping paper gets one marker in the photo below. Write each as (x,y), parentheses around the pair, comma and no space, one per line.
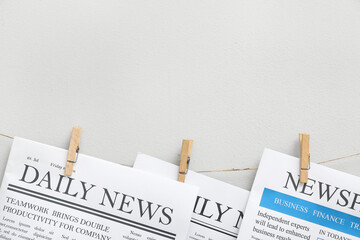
(73,150)
(304,156)
(185,158)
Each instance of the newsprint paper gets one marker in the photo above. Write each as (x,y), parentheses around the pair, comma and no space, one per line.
(281,208)
(101,200)
(219,208)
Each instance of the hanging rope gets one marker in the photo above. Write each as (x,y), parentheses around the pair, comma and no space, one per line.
(6,136)
(245,169)
(236,169)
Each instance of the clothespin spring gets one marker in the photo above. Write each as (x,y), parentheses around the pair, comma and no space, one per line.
(184,159)
(187,169)
(309,165)
(73,151)
(77,155)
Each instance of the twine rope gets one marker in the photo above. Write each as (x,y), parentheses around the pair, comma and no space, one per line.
(237,169)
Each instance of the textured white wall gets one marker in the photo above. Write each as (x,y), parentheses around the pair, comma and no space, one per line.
(236,76)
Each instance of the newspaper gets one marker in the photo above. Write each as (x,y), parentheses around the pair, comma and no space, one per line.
(101,200)
(219,208)
(282,208)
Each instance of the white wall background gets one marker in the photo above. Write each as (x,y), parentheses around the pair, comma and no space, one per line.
(141,75)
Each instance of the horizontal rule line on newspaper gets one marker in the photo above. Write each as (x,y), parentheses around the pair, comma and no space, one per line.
(90,211)
(214,228)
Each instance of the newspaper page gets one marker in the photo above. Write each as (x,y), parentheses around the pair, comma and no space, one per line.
(101,200)
(280,207)
(219,208)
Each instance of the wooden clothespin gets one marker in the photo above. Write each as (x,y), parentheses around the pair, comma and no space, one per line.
(73,150)
(185,158)
(304,156)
